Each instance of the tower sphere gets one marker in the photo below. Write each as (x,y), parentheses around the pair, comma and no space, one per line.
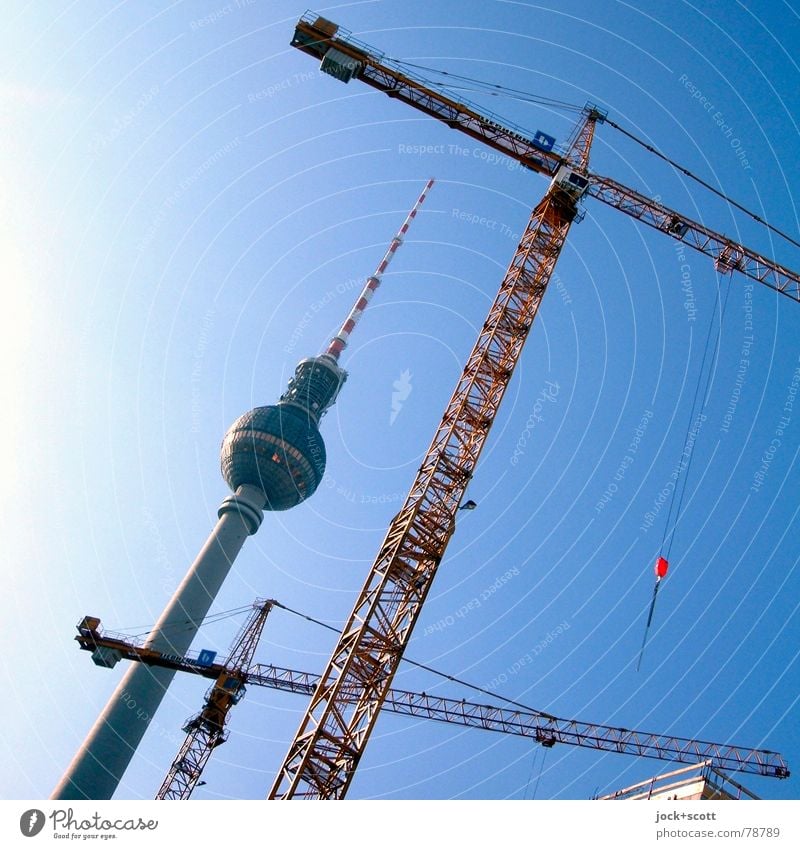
(278,449)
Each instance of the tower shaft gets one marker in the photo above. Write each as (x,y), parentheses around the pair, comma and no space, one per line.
(273,458)
(98,766)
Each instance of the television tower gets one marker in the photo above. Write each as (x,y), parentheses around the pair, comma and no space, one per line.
(272,458)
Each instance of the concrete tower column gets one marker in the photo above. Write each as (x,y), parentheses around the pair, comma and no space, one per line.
(272,458)
(101,761)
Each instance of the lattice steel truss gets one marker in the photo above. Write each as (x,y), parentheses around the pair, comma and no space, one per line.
(399,83)
(325,752)
(544,728)
(206,730)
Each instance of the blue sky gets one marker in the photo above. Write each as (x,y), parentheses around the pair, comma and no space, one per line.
(189,206)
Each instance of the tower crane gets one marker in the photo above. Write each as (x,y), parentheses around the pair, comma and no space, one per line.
(207,730)
(333,733)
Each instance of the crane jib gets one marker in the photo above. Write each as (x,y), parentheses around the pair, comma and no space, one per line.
(545,728)
(353,59)
(344,59)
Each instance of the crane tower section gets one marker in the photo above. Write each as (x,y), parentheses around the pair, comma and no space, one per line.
(206,730)
(332,736)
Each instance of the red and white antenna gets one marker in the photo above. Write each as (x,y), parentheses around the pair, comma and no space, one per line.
(339,341)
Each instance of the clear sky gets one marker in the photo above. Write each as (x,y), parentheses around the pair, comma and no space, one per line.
(187,208)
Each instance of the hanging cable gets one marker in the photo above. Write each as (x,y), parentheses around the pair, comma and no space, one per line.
(215,617)
(430,669)
(703,183)
(683,475)
(500,90)
(497,89)
(530,774)
(662,565)
(539,777)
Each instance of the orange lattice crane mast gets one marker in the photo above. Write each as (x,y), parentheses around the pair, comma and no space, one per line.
(323,757)
(206,730)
